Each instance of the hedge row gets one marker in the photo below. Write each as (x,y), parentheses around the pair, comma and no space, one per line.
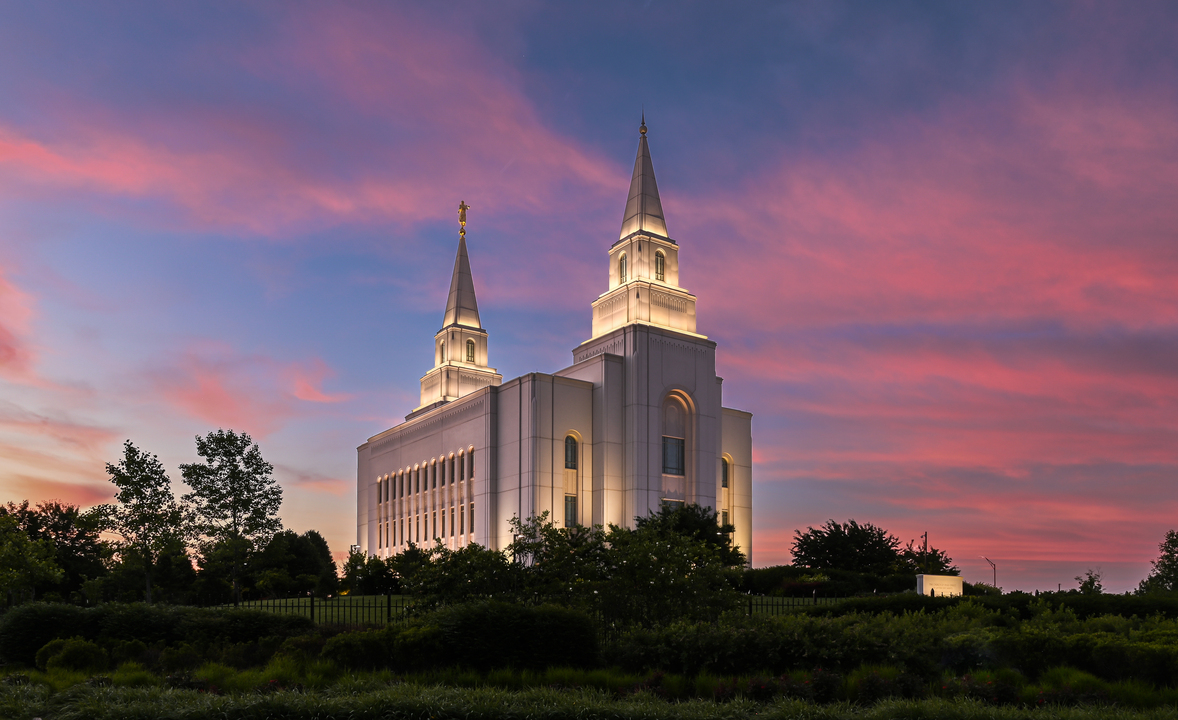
(481,636)
(959,640)
(1025,605)
(27,628)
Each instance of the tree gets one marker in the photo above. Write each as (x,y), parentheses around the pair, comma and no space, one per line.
(147,516)
(78,550)
(368,575)
(1090,582)
(296,564)
(1164,575)
(700,523)
(23,562)
(234,499)
(926,560)
(849,546)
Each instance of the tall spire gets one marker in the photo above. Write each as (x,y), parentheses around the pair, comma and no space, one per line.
(644,210)
(461,306)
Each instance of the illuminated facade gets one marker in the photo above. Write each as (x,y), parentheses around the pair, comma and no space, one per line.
(635,423)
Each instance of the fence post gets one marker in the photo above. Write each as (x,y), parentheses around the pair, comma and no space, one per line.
(388,609)
(312,607)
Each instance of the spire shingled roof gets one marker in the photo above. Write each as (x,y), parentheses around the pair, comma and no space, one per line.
(461,306)
(644,209)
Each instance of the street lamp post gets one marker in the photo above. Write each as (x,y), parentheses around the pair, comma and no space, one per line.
(994,567)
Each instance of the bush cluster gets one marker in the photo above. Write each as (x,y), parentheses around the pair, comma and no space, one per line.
(26,629)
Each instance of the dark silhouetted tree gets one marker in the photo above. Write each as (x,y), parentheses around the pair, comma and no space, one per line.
(697,522)
(234,499)
(1164,575)
(78,550)
(146,516)
(847,546)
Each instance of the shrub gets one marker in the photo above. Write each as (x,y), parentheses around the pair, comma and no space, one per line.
(358,650)
(179,658)
(495,634)
(51,649)
(25,629)
(78,655)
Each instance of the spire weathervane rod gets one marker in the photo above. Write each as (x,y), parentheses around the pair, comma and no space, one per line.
(462,208)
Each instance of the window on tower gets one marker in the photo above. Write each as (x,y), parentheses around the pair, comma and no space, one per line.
(570,453)
(470,351)
(660,265)
(622,269)
(724,472)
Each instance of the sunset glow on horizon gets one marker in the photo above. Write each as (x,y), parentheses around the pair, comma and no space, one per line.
(937,245)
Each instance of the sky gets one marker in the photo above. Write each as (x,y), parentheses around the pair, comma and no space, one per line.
(936,243)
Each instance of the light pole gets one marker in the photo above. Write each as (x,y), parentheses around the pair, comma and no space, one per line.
(994,567)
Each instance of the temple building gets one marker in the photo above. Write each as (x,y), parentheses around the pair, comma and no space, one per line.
(635,423)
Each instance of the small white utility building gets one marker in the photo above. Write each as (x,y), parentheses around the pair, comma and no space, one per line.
(637,422)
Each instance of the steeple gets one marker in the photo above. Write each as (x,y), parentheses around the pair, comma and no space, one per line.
(644,210)
(461,306)
(460,347)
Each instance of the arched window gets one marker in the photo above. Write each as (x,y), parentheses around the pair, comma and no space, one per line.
(570,453)
(470,463)
(724,470)
(622,269)
(674,437)
(660,266)
(461,467)
(442,351)
(470,351)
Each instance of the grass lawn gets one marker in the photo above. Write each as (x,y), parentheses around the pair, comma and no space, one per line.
(371,698)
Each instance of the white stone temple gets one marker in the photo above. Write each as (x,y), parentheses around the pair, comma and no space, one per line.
(635,423)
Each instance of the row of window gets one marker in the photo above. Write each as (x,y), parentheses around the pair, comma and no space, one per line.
(427,476)
(469,351)
(416,528)
(660,267)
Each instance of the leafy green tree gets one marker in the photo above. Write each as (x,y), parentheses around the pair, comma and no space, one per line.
(234,499)
(78,549)
(296,564)
(1164,575)
(147,516)
(1090,583)
(926,561)
(558,564)
(368,575)
(652,577)
(439,575)
(23,562)
(847,546)
(700,523)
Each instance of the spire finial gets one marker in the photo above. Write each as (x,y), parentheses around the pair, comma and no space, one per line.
(642,129)
(462,208)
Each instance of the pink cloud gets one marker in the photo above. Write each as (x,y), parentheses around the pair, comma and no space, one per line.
(252,393)
(454,125)
(16,311)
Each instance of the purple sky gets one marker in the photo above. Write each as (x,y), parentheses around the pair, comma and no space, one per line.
(937,243)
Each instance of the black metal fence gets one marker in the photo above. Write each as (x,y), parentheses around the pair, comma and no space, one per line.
(770,605)
(356,611)
(347,611)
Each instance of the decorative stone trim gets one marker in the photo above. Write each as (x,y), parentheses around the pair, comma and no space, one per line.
(678,344)
(421,427)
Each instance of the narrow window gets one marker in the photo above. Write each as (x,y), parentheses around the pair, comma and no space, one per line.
(724,472)
(570,510)
(470,460)
(435,525)
(453,477)
(416,480)
(451,521)
(461,519)
(660,264)
(622,269)
(461,467)
(673,456)
(433,474)
(724,518)
(442,353)
(570,453)
(472,518)
(470,351)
